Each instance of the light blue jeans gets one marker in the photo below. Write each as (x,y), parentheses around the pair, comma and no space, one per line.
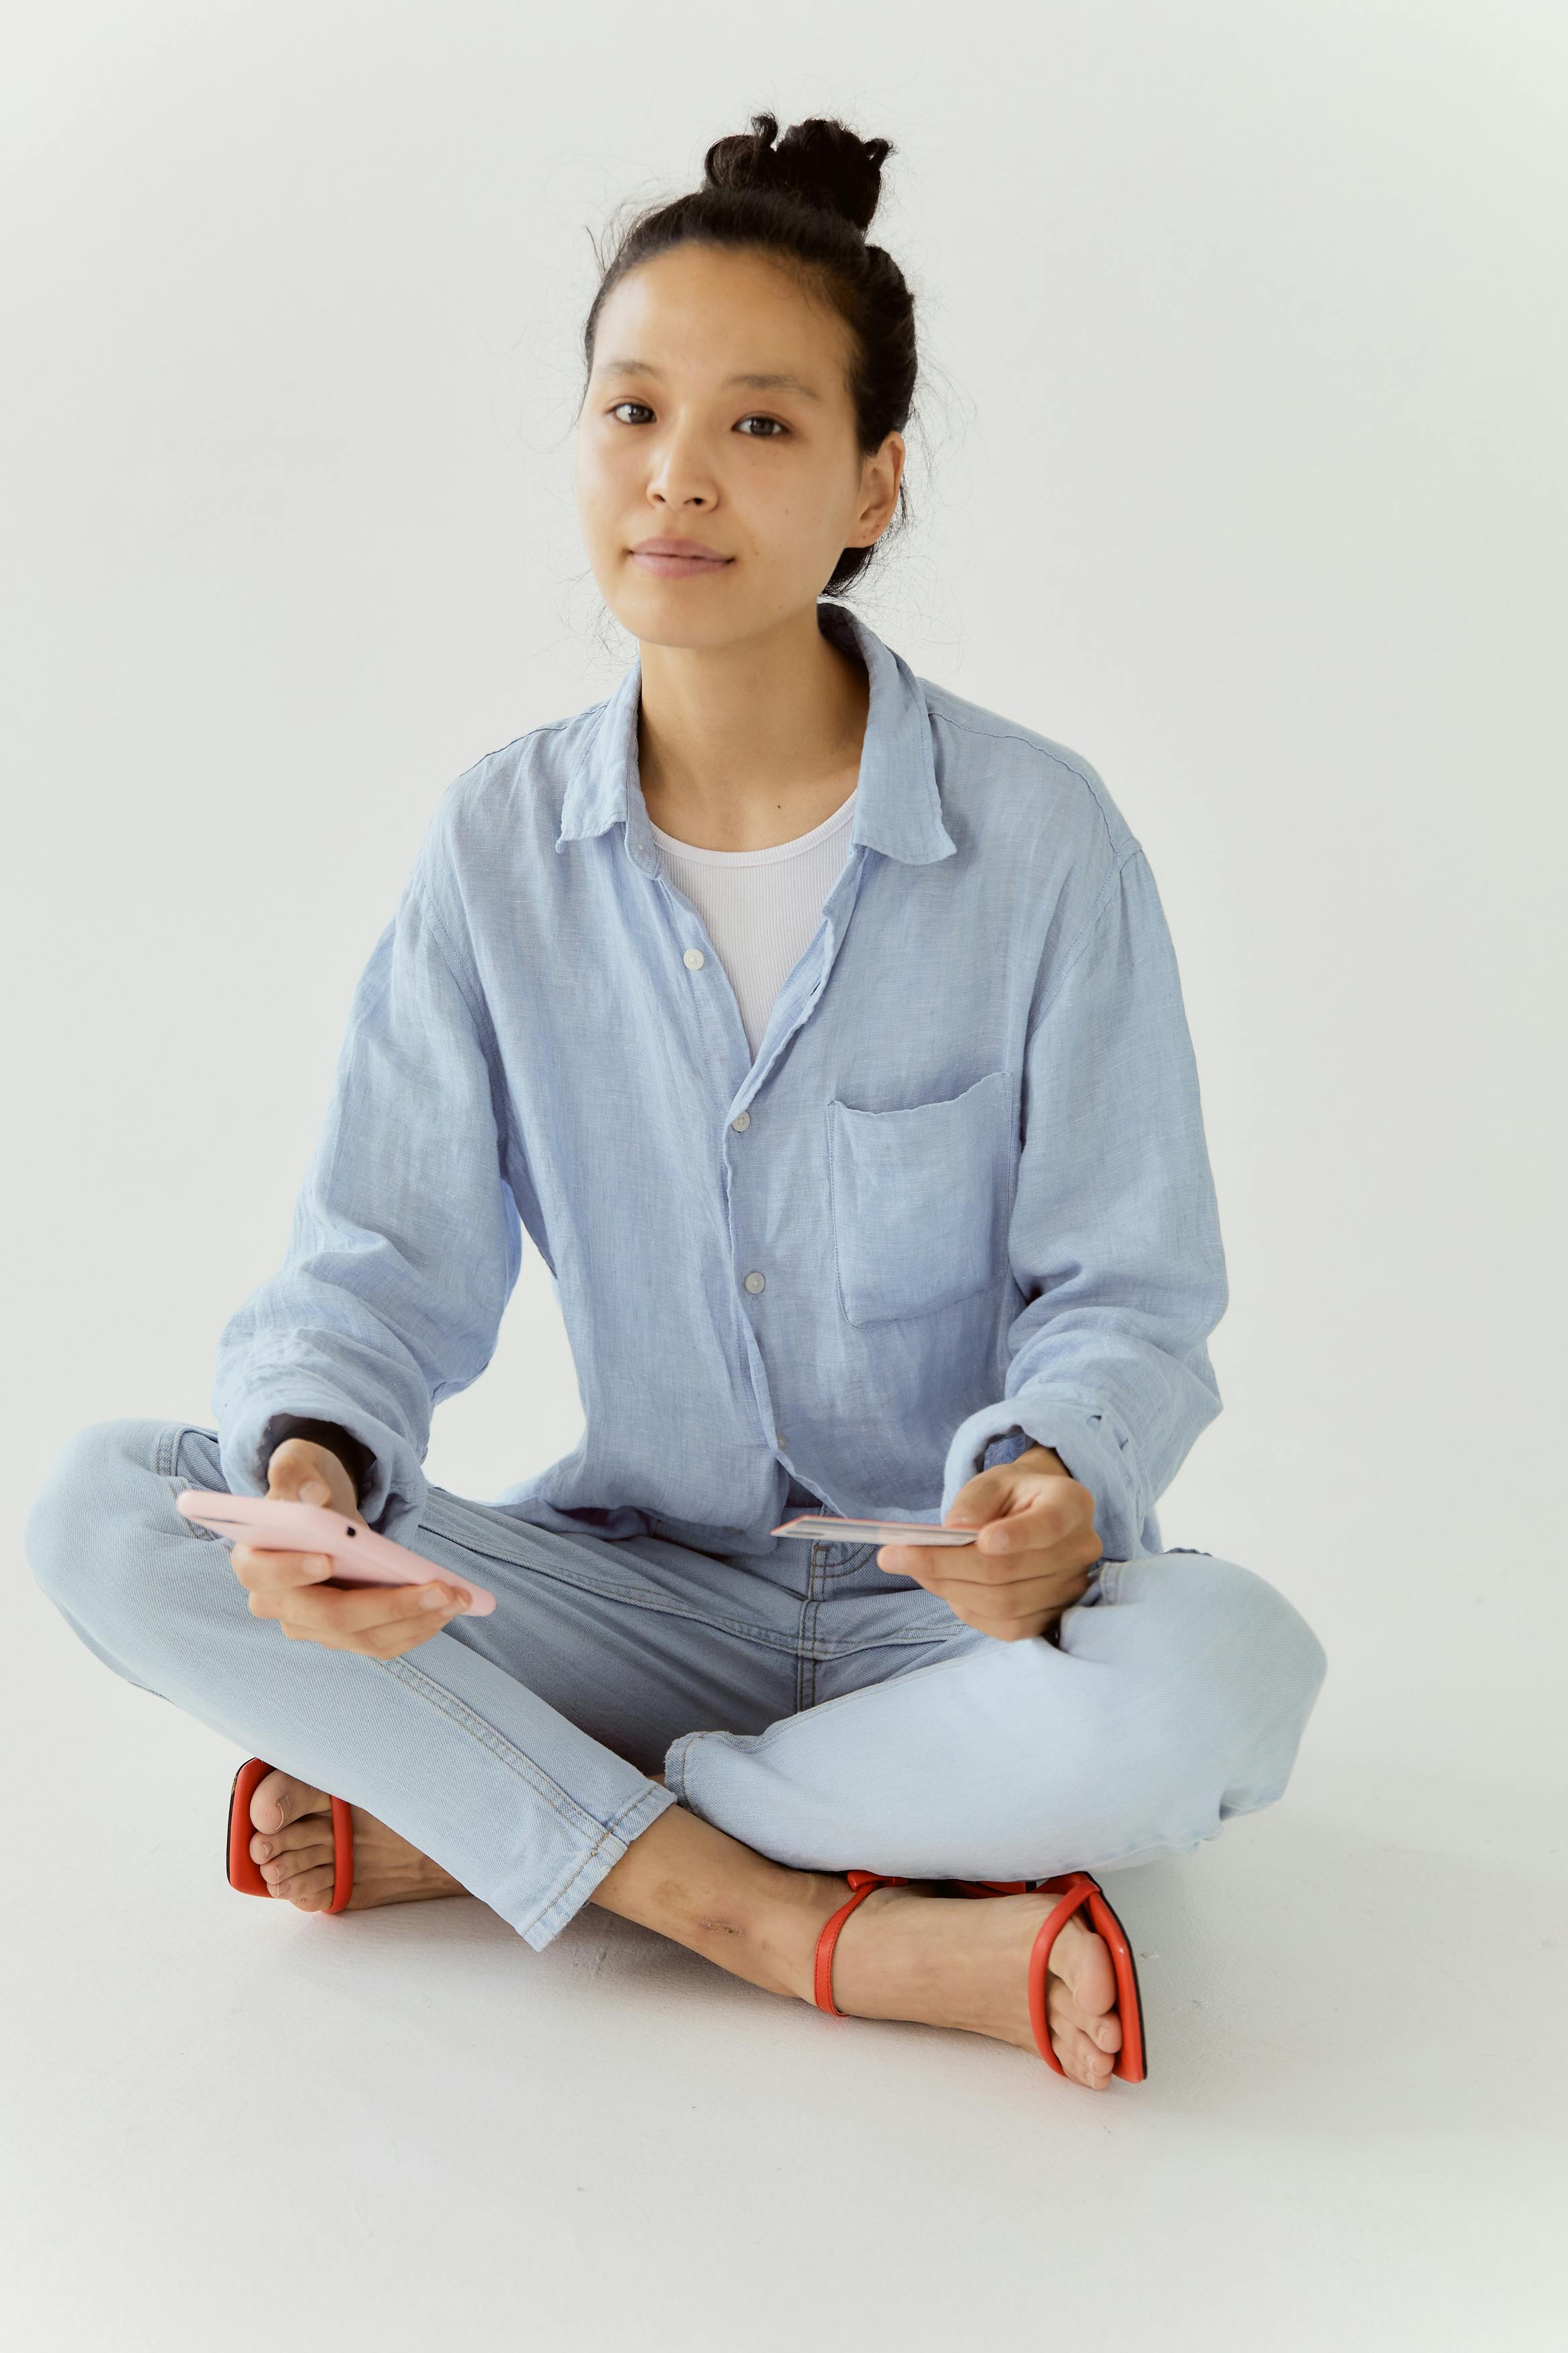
(827,1714)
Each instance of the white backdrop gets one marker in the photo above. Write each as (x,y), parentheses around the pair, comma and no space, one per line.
(1239,468)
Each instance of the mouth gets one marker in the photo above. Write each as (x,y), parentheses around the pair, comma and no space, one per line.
(677,559)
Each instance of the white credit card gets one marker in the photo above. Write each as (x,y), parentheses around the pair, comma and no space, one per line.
(823,1528)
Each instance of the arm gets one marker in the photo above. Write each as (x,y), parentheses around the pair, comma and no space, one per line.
(1114,1235)
(405,1242)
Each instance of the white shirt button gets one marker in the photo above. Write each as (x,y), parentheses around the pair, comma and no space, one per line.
(741,1121)
(754,1281)
(695,958)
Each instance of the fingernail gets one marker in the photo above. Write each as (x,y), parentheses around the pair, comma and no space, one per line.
(435,1597)
(314,1490)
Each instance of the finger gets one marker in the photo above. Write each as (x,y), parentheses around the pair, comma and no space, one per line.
(298,1479)
(320,1610)
(1054,1577)
(983,1497)
(923,1562)
(985,1558)
(1006,1626)
(1055,1513)
(1023,1629)
(380,1641)
(375,1641)
(258,1570)
(1013,1595)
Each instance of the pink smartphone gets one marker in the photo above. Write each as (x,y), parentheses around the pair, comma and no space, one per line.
(359,1557)
(823,1528)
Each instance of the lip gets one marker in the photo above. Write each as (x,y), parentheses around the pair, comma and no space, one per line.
(677,559)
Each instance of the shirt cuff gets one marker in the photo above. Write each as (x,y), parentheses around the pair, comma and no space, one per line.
(394,1487)
(1088,1446)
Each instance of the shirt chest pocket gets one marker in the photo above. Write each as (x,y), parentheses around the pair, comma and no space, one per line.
(919,1200)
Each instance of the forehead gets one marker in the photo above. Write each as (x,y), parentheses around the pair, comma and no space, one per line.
(710,314)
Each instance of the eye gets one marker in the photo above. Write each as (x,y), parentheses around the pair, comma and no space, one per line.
(631,404)
(754,418)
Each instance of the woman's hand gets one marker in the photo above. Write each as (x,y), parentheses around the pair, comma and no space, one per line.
(1031,1558)
(381,1620)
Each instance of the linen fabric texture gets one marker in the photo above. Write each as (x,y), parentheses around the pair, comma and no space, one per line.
(958,1202)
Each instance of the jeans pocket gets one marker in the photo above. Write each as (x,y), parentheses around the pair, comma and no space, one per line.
(916,1200)
(188,1457)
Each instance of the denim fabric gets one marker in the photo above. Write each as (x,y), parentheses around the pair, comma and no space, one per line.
(960,1202)
(827,1715)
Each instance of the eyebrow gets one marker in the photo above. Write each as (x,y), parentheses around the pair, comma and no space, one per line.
(754,380)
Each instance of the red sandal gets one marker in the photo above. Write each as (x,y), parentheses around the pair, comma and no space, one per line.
(1074,1888)
(244,1874)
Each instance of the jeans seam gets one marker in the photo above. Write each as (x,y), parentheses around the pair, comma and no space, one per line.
(805,1655)
(652,1799)
(457,1711)
(660,1604)
(168,1450)
(859,1556)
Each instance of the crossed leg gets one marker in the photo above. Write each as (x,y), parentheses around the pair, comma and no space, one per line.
(904,1953)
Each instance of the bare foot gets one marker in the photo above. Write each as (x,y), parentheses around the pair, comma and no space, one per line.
(293,1845)
(963,1961)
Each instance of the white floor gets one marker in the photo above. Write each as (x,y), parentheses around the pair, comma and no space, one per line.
(232,2127)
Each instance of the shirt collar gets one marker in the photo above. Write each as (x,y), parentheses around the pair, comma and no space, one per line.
(898,807)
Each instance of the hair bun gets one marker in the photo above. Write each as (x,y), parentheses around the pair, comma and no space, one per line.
(819,161)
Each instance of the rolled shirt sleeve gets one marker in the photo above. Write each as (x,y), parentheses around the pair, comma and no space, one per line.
(405,1241)
(1114,1233)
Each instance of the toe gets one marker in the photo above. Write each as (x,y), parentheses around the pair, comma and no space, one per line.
(1082,1961)
(1083,2062)
(307,1830)
(305,1886)
(283,1869)
(1063,2013)
(279,1800)
(1102,2028)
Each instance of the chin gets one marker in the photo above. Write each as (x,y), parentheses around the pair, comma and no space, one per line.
(660,619)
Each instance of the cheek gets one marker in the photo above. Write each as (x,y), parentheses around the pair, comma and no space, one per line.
(604,473)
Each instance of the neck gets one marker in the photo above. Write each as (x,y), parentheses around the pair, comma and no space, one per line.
(742,746)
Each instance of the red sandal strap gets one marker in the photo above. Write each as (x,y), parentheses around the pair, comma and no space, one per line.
(245,1873)
(863,1882)
(1075,1889)
(342,1854)
(1130,2063)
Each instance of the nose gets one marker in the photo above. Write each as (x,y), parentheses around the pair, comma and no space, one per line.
(680,475)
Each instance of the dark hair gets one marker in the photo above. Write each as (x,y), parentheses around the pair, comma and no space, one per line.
(809,200)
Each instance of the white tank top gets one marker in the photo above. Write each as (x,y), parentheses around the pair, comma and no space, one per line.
(762,907)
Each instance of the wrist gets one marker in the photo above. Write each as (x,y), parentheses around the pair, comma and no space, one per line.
(355,1457)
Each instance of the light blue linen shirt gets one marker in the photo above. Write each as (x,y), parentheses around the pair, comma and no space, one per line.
(960,1202)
